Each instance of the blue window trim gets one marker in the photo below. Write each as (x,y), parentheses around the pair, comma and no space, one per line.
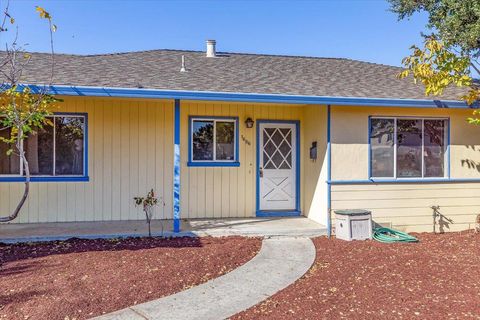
(405,181)
(213,163)
(82,178)
(402,180)
(278,213)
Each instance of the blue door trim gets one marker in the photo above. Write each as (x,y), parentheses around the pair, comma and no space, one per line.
(278,213)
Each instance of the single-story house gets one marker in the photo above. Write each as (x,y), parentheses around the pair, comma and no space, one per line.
(220,135)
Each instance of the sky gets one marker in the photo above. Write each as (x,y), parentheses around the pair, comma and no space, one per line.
(355,29)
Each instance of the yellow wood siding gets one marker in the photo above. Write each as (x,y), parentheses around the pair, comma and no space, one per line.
(405,206)
(224,192)
(130,151)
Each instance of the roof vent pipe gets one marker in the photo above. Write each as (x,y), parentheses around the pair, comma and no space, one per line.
(183,68)
(211,51)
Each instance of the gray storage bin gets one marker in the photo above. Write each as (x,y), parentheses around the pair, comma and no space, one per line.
(353,224)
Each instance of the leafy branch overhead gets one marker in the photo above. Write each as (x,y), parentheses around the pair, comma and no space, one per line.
(450,53)
(437,68)
(45,15)
(23,112)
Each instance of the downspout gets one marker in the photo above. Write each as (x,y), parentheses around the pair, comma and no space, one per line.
(176,169)
(329,174)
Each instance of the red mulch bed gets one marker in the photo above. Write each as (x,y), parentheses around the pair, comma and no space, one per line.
(437,278)
(84,278)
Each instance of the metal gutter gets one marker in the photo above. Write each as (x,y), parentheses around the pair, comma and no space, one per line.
(245,97)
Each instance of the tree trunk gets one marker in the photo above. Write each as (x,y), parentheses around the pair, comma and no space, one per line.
(148,215)
(26,190)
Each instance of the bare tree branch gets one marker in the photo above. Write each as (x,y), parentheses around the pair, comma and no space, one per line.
(5,16)
(22,110)
(475,67)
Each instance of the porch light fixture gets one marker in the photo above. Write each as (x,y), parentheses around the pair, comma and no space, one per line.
(249,123)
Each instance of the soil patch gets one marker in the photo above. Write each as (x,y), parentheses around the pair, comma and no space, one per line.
(79,279)
(437,278)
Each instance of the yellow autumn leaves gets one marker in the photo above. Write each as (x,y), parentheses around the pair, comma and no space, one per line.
(437,68)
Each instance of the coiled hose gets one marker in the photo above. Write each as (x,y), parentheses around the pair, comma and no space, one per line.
(387,235)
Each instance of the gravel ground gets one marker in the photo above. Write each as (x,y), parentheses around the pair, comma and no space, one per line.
(437,278)
(78,279)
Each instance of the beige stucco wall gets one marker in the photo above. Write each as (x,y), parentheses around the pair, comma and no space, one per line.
(405,206)
(315,186)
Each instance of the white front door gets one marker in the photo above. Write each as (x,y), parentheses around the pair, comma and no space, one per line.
(277,166)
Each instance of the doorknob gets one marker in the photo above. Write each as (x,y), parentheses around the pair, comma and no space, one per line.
(260,172)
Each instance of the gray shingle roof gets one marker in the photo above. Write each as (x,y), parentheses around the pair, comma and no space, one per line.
(229,72)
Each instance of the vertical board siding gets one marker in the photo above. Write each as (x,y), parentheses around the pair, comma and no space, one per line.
(130,152)
(167,190)
(134,157)
(117,164)
(227,192)
(79,188)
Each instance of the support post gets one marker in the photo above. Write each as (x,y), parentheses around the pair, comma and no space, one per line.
(176,169)
(329,174)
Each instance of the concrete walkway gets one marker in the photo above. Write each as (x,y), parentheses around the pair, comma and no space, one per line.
(280,262)
(270,227)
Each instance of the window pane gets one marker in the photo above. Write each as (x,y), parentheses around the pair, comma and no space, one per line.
(382,143)
(409,148)
(434,149)
(39,151)
(202,144)
(69,144)
(225,144)
(269,148)
(8,164)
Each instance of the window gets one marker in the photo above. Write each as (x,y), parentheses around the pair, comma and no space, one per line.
(57,150)
(213,141)
(9,165)
(408,148)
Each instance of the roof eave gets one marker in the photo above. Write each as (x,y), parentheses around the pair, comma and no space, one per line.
(246,97)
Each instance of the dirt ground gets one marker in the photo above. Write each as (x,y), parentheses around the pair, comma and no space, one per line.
(78,279)
(437,278)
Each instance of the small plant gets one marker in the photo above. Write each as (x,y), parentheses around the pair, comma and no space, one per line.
(147,203)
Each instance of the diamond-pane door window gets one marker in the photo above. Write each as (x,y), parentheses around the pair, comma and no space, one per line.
(277,148)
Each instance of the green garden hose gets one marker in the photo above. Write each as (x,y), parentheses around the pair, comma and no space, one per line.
(387,235)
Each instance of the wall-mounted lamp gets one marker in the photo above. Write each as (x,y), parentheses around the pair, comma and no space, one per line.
(249,122)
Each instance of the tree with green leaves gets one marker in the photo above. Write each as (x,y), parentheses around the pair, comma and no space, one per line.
(451,50)
(23,111)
